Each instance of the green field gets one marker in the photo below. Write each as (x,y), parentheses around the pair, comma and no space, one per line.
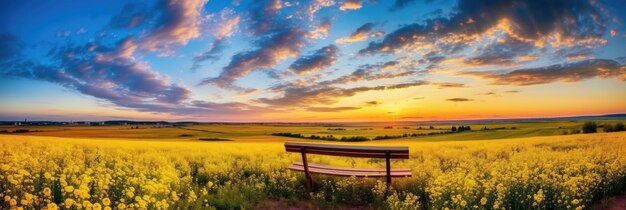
(262,132)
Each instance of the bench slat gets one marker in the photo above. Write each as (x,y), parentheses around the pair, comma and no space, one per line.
(329,170)
(352,154)
(349,151)
(321,166)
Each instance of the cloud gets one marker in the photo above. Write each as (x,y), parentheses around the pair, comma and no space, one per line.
(131,16)
(500,51)
(368,73)
(459,99)
(351,5)
(576,56)
(81,31)
(361,33)
(211,54)
(318,94)
(388,65)
(569,72)
(263,17)
(109,73)
(313,7)
(495,93)
(449,85)
(554,22)
(373,103)
(177,22)
(277,47)
(331,109)
(226,25)
(320,31)
(320,60)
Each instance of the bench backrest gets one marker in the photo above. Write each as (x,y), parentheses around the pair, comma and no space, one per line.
(349,151)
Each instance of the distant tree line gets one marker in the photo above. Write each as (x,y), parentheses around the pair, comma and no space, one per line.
(19,131)
(297,135)
(614,128)
(461,128)
(498,128)
(592,127)
(430,128)
(357,138)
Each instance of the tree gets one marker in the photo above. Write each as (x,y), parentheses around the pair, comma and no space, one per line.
(619,127)
(590,127)
(453,129)
(609,128)
(468,128)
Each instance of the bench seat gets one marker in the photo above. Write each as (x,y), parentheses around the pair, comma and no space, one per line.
(358,172)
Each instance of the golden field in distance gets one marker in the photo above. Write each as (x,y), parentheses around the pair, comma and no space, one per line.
(532,166)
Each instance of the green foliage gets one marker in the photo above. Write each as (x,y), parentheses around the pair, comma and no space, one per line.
(590,127)
(614,128)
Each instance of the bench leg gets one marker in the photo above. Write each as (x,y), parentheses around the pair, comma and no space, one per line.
(309,180)
(388,170)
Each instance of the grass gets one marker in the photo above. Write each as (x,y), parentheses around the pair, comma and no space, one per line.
(262,132)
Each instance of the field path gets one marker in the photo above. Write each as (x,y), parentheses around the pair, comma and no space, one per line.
(618,203)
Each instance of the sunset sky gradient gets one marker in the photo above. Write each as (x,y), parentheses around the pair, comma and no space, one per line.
(322,60)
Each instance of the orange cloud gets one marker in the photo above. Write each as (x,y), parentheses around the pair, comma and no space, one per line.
(351,5)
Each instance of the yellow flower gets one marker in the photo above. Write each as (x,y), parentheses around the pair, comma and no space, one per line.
(7,198)
(69,189)
(12,202)
(483,201)
(575,201)
(121,206)
(46,191)
(68,202)
(97,206)
(52,206)
(106,201)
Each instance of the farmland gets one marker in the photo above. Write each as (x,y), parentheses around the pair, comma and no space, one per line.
(532,166)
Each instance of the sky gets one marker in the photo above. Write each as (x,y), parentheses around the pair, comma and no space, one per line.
(311,61)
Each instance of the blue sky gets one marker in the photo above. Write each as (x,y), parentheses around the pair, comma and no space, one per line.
(320,60)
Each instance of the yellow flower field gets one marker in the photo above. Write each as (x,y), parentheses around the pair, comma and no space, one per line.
(556,172)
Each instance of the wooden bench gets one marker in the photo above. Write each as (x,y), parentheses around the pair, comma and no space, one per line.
(387,153)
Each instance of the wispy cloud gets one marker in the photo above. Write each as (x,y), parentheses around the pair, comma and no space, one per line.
(459,99)
(277,47)
(569,72)
(331,109)
(321,59)
(362,33)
